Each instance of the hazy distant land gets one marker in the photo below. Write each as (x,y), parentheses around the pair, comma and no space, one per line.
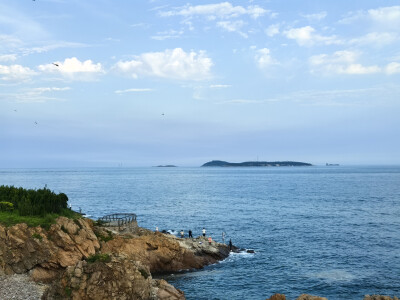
(220,163)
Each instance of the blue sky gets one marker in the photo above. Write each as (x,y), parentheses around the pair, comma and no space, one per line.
(142,83)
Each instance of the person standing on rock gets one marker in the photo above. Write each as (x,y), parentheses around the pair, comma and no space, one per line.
(182,233)
(190,234)
(223,237)
(156,228)
(204,232)
(209,240)
(230,245)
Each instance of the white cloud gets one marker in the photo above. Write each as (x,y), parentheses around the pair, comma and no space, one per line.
(8,57)
(378,39)
(220,86)
(40,94)
(172,64)
(169,34)
(16,73)
(263,58)
(74,69)
(392,68)
(233,26)
(272,30)
(133,91)
(315,17)
(386,17)
(223,10)
(306,36)
(341,62)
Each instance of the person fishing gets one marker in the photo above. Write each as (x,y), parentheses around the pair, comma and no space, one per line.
(204,232)
(190,234)
(223,237)
(182,233)
(230,245)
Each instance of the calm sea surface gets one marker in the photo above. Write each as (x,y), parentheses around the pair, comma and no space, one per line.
(328,231)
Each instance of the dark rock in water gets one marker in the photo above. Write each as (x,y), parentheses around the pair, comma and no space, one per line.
(250,251)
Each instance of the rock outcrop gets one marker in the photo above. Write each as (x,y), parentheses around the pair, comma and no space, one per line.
(65,256)
(45,253)
(379,297)
(163,253)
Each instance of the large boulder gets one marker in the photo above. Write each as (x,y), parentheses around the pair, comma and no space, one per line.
(165,253)
(118,279)
(45,253)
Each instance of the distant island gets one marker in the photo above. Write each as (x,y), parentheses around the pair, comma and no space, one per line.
(166,166)
(331,165)
(220,163)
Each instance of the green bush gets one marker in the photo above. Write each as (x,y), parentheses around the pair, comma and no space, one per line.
(6,206)
(99,257)
(37,236)
(33,202)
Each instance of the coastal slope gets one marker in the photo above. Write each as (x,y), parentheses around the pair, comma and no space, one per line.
(79,260)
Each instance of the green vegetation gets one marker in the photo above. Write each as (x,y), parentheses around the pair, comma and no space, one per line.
(68,291)
(33,207)
(144,273)
(103,238)
(33,202)
(99,257)
(6,206)
(37,236)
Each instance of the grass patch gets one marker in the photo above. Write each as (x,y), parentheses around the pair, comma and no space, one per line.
(68,291)
(144,273)
(11,218)
(99,257)
(37,236)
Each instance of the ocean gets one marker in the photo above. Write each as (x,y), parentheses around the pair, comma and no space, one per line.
(328,231)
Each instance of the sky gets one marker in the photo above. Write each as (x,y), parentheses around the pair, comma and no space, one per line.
(149,82)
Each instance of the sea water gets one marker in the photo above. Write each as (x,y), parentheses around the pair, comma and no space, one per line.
(328,231)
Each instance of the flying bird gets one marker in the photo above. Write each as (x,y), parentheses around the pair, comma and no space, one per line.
(57,65)
(36,123)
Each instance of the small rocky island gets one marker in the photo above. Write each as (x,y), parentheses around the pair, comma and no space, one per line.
(220,163)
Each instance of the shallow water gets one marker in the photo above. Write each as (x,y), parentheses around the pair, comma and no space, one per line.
(328,231)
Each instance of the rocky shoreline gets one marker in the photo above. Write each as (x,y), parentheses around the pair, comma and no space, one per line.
(75,259)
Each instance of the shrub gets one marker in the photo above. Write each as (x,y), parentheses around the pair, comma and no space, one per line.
(6,206)
(144,273)
(99,257)
(33,202)
(37,236)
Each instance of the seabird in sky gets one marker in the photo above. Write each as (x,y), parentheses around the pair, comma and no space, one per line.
(57,65)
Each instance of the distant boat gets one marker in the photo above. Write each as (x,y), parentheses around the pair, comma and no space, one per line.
(332,165)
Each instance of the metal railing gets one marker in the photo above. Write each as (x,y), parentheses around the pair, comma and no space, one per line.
(119,219)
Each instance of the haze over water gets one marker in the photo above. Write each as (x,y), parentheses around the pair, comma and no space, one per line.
(328,231)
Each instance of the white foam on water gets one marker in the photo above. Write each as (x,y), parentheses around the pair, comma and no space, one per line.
(334,275)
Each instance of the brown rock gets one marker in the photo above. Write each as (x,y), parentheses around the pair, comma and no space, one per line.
(165,291)
(119,279)
(39,274)
(66,243)
(277,297)
(379,297)
(164,253)
(309,297)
